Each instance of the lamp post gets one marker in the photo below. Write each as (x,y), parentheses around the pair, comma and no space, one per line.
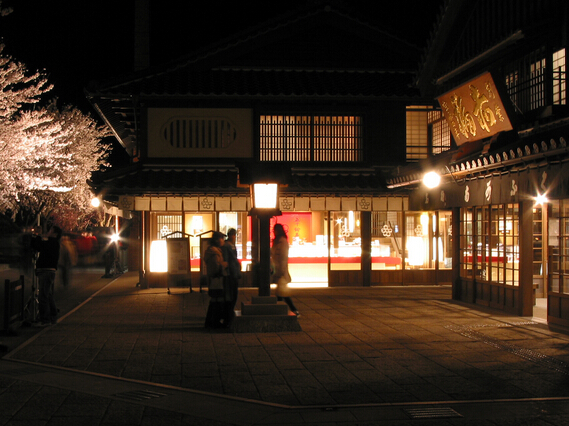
(264,200)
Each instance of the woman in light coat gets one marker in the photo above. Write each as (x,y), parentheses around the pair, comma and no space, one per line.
(279,260)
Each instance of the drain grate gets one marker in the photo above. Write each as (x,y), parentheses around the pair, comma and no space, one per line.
(140,395)
(432,413)
(527,354)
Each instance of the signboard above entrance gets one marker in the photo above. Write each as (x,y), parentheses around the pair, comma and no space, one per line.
(475,110)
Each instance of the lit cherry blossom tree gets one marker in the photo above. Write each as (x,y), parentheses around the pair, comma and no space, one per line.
(46,153)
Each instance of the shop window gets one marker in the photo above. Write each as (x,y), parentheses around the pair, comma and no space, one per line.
(167,224)
(558,245)
(445,240)
(229,220)
(345,241)
(310,138)
(308,246)
(418,243)
(386,239)
(466,242)
(489,243)
(196,224)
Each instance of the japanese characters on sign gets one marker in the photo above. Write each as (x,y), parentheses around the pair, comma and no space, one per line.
(474,110)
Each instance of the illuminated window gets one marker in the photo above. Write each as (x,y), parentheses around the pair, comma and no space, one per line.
(386,239)
(559,78)
(417,133)
(440,132)
(167,224)
(537,80)
(427,132)
(489,243)
(558,242)
(310,138)
(528,78)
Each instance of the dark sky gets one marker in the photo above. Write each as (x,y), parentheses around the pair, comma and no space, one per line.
(76,41)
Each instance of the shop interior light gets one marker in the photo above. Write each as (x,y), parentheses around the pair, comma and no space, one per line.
(158,256)
(431,179)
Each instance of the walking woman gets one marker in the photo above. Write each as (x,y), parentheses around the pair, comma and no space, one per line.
(279,260)
(216,270)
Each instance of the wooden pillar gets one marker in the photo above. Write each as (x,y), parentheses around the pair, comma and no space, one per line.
(456,260)
(365,218)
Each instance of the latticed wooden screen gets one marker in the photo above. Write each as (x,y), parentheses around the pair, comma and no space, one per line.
(310,138)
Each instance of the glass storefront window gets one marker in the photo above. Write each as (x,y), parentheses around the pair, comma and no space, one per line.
(345,241)
(558,246)
(308,245)
(418,245)
(445,240)
(466,242)
(489,243)
(386,240)
(195,224)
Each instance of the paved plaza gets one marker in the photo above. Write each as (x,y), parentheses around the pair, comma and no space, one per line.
(365,356)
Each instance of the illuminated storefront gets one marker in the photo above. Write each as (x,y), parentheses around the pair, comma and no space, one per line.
(390,244)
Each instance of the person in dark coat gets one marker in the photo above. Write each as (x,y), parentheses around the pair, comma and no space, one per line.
(234,271)
(216,270)
(46,266)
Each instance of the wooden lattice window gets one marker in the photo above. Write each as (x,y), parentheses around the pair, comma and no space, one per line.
(310,138)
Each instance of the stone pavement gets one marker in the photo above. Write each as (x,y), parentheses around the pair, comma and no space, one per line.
(365,356)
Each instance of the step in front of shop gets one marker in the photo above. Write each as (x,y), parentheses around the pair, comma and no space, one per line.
(264,315)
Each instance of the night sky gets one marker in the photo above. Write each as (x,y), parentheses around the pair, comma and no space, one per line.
(76,41)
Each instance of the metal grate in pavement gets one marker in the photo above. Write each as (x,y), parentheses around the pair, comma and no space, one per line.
(527,354)
(139,395)
(432,413)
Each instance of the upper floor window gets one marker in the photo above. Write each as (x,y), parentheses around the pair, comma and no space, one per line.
(310,138)
(559,78)
(428,133)
(528,80)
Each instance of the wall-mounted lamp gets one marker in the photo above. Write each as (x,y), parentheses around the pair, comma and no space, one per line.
(95,202)
(431,179)
(541,199)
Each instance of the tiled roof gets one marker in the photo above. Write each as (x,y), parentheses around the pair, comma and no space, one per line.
(259,82)
(165,180)
(139,180)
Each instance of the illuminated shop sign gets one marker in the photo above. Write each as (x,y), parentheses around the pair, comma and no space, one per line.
(474,110)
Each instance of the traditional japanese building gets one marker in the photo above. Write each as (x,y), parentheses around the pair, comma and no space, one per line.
(498,71)
(319,101)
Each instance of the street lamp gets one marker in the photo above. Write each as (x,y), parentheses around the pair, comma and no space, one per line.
(431,180)
(264,200)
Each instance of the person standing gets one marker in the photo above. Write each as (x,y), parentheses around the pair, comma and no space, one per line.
(233,269)
(216,271)
(279,260)
(46,266)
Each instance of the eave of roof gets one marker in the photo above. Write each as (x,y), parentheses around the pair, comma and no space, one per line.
(519,154)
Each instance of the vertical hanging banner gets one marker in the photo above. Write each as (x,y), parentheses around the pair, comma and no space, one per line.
(475,110)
